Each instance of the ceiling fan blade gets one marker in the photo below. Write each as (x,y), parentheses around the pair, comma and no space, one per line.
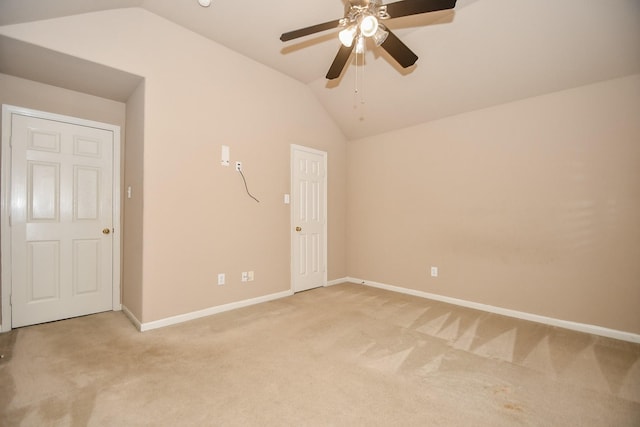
(399,51)
(414,7)
(339,62)
(309,30)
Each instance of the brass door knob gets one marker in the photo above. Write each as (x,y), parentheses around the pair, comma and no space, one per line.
(106,230)
(298,228)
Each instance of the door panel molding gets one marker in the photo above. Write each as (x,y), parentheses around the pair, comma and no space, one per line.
(48,142)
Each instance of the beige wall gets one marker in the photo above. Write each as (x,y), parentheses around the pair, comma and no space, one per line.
(29,94)
(132,223)
(38,96)
(197,219)
(532,206)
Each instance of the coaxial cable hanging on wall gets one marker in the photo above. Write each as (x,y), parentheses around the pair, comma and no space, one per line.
(246,187)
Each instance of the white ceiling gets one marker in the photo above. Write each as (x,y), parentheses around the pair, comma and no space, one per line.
(484,53)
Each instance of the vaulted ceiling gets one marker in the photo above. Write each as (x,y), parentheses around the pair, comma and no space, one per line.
(482,53)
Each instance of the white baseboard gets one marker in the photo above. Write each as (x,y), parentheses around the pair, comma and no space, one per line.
(575,326)
(203,313)
(337,281)
(132,318)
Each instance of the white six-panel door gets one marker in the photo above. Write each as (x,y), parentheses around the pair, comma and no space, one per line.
(61,220)
(308,211)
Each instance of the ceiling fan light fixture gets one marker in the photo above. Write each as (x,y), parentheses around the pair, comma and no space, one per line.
(204,3)
(380,36)
(368,25)
(346,36)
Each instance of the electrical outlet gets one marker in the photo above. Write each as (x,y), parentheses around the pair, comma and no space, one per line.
(238,166)
(434,271)
(221,279)
(245,276)
(250,276)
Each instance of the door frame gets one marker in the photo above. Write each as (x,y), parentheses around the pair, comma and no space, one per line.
(292,232)
(5,200)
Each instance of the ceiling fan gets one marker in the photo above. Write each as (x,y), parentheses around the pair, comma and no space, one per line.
(362,20)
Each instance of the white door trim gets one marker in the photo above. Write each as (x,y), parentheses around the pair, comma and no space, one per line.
(5,200)
(292,215)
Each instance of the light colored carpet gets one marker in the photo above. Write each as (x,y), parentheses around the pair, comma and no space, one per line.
(347,355)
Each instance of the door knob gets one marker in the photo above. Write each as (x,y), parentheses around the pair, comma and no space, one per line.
(106,230)
(298,228)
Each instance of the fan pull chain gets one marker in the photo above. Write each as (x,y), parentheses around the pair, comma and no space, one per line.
(359,89)
(355,82)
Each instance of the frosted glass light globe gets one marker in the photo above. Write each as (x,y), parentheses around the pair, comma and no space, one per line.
(346,36)
(368,25)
